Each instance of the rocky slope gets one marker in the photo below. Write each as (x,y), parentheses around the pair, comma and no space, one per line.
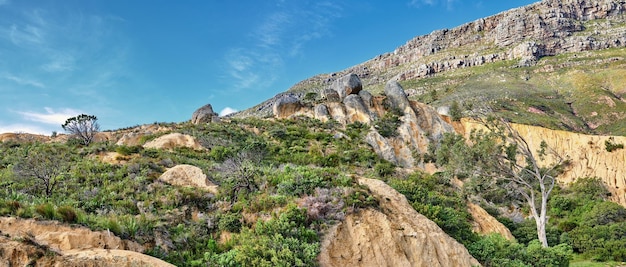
(393,235)
(500,61)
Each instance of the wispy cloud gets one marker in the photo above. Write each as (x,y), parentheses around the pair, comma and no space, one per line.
(449,4)
(281,35)
(50,116)
(4,2)
(23,81)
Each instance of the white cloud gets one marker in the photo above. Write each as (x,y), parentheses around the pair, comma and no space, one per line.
(24,81)
(24,128)
(51,116)
(227,110)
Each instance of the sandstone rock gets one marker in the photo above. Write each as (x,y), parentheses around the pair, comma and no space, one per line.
(382,146)
(17,253)
(204,114)
(347,85)
(393,235)
(356,109)
(174,140)
(188,175)
(367,98)
(397,97)
(63,238)
(483,223)
(330,95)
(321,112)
(286,106)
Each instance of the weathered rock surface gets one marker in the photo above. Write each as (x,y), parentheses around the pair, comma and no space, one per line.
(204,114)
(587,154)
(393,235)
(53,244)
(347,85)
(174,140)
(483,223)
(188,175)
(286,106)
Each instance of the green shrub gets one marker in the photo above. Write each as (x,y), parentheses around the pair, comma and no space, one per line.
(384,168)
(284,240)
(67,214)
(611,146)
(128,150)
(387,126)
(230,222)
(46,210)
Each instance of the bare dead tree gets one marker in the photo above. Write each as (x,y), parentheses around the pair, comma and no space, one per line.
(515,162)
(44,163)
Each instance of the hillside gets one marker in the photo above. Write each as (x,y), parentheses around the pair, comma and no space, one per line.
(556,64)
(376,165)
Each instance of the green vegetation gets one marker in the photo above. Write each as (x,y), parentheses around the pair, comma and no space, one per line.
(279,188)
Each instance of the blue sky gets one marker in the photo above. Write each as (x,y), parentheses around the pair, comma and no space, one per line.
(132,62)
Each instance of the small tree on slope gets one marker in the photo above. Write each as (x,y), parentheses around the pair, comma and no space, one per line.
(84,127)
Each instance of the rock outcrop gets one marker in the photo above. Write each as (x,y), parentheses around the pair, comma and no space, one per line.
(393,235)
(204,114)
(420,124)
(174,140)
(347,85)
(188,175)
(483,223)
(286,106)
(48,243)
(587,154)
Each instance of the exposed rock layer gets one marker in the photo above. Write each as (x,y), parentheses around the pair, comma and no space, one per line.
(393,235)
(587,154)
(52,244)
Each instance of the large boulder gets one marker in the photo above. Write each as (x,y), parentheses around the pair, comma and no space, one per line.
(204,114)
(347,85)
(174,140)
(188,175)
(330,95)
(321,112)
(392,235)
(356,109)
(286,106)
(397,97)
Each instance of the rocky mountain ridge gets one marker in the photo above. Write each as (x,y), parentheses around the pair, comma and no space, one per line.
(524,35)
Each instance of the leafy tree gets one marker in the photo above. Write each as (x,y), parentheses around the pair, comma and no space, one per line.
(47,164)
(507,157)
(455,111)
(84,127)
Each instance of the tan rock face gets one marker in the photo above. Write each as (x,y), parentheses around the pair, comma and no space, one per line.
(173,140)
(393,235)
(60,238)
(587,154)
(188,175)
(484,223)
(66,246)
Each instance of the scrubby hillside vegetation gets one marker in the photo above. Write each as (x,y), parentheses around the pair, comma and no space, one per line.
(379,164)
(281,185)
